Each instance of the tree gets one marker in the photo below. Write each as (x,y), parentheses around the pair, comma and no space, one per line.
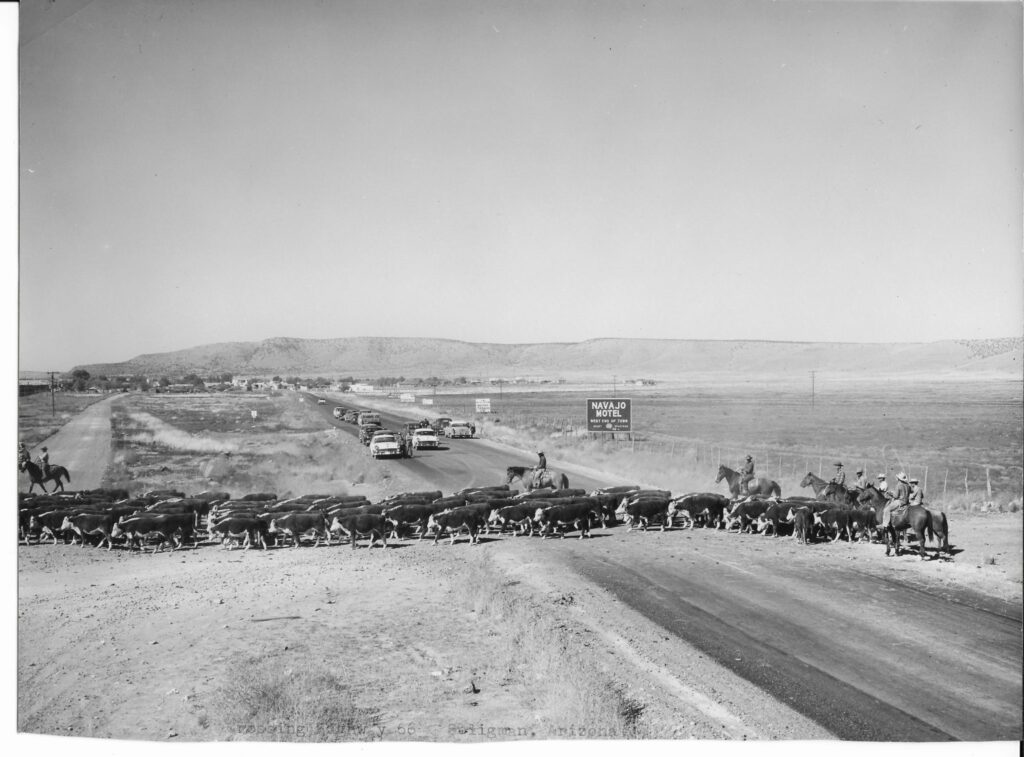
(80,379)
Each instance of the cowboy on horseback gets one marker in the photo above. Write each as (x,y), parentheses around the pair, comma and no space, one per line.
(539,469)
(862,481)
(44,461)
(899,498)
(840,478)
(23,455)
(748,474)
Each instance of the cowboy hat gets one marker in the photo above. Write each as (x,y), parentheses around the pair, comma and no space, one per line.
(902,477)
(881,475)
(914,481)
(838,464)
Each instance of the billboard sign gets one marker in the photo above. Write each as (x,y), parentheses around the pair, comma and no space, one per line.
(609,414)
(407,397)
(483,405)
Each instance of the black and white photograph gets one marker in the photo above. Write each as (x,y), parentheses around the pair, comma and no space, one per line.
(511,373)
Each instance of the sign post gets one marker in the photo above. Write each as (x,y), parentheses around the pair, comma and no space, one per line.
(613,415)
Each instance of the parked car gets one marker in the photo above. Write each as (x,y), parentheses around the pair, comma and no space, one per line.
(350,416)
(424,438)
(339,412)
(440,425)
(366,416)
(321,401)
(367,431)
(386,445)
(459,430)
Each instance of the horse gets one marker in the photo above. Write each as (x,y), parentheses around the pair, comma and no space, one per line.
(915,518)
(829,491)
(759,485)
(540,479)
(872,497)
(57,472)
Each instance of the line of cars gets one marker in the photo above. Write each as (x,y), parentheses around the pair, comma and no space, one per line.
(383,442)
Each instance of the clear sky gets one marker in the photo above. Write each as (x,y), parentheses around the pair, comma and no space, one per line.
(198,172)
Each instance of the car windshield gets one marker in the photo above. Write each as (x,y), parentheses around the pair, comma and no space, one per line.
(383,438)
(423,432)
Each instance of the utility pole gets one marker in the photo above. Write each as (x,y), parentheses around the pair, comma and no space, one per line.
(812,389)
(614,385)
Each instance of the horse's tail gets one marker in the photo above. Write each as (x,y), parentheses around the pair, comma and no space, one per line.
(65,472)
(929,531)
(564,482)
(775,489)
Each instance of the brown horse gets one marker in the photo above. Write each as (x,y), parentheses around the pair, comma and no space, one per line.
(541,479)
(872,497)
(829,491)
(35,473)
(761,485)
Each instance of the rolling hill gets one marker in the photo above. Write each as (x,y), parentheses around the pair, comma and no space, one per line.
(370,357)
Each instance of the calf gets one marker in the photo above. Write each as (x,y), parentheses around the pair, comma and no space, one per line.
(775,513)
(49,523)
(365,524)
(801,519)
(454,521)
(88,523)
(296,524)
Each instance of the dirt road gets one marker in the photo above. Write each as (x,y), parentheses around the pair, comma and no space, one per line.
(82,446)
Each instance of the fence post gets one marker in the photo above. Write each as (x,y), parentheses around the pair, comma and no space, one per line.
(967,490)
(944,482)
(988,484)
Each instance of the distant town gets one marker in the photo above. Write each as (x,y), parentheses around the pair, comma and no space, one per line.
(81,381)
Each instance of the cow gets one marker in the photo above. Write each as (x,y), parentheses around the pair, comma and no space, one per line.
(705,507)
(647,511)
(49,523)
(801,518)
(405,515)
(576,515)
(744,514)
(519,516)
(250,529)
(365,524)
(90,523)
(837,519)
(454,521)
(775,513)
(296,524)
(864,521)
(167,527)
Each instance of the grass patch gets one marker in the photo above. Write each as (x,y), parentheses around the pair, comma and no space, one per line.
(268,701)
(39,417)
(542,653)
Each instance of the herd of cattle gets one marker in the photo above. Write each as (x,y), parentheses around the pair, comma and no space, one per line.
(167,517)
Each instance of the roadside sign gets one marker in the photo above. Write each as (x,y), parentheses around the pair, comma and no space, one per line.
(428,400)
(483,405)
(407,397)
(613,414)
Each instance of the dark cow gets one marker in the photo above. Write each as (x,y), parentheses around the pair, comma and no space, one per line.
(364,524)
(744,514)
(836,519)
(172,527)
(773,515)
(89,523)
(647,511)
(571,516)
(801,518)
(454,521)
(408,515)
(297,524)
(49,523)
(518,516)
(704,507)
(864,521)
(250,529)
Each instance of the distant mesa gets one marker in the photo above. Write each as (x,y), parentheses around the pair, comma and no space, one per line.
(657,358)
